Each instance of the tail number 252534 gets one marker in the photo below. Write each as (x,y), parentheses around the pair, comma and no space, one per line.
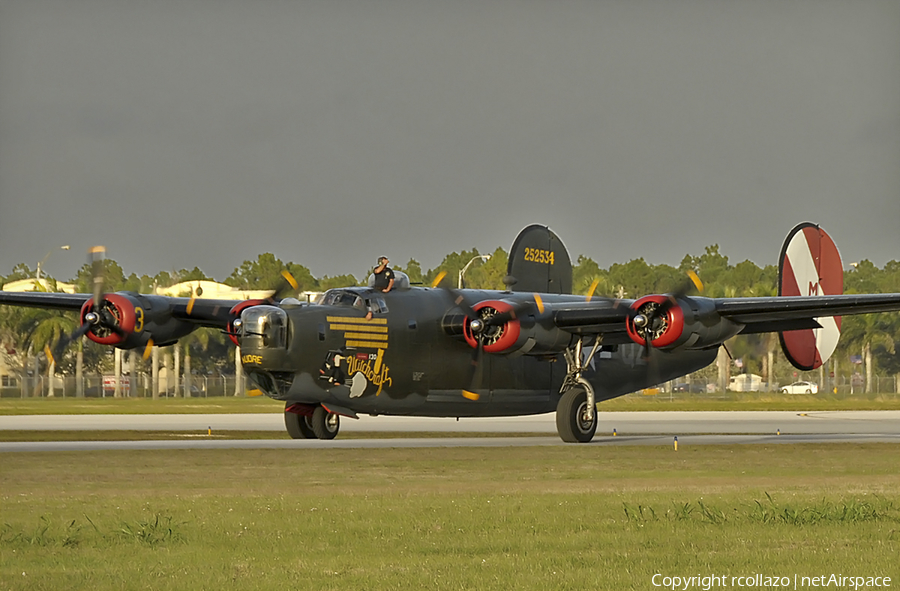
(537,255)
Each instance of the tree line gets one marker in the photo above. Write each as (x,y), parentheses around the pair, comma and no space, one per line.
(872,339)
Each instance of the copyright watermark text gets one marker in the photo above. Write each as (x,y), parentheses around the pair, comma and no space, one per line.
(761,581)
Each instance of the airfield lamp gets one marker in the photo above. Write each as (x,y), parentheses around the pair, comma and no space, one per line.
(484,258)
(37,274)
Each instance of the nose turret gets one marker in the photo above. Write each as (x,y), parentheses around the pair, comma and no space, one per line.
(264,337)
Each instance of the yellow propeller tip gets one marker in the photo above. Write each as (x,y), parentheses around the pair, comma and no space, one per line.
(148,349)
(470,395)
(190,306)
(290,279)
(539,302)
(592,289)
(438,279)
(49,354)
(696,279)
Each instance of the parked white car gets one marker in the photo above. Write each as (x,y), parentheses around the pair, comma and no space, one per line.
(801,388)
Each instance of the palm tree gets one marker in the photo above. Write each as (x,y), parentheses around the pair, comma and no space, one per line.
(862,333)
(199,338)
(43,330)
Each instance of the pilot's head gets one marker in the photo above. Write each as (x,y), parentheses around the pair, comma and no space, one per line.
(383,260)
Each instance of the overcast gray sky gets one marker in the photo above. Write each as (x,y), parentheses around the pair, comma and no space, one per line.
(203,133)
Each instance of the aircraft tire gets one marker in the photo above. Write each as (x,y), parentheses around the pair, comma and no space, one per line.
(570,425)
(298,426)
(324,424)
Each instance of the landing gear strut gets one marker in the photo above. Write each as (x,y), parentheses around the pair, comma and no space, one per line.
(576,412)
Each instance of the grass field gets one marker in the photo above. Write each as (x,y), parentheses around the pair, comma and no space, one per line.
(631,402)
(518,518)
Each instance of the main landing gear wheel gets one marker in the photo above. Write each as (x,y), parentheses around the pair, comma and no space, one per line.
(298,426)
(324,424)
(572,422)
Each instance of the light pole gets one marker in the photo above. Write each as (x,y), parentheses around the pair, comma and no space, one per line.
(37,274)
(484,258)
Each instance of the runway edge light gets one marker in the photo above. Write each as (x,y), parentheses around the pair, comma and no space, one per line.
(676,443)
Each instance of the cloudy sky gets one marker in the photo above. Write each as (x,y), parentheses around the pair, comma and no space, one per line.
(203,133)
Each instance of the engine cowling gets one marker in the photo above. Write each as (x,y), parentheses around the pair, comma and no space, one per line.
(663,329)
(129,321)
(688,323)
(526,334)
(236,314)
(496,339)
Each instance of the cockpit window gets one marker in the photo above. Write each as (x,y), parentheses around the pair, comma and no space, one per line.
(336,297)
(377,305)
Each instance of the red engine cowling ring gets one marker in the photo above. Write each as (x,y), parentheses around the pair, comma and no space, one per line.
(511,330)
(674,319)
(236,313)
(127,318)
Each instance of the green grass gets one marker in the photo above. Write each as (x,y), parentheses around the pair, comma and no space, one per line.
(631,402)
(476,518)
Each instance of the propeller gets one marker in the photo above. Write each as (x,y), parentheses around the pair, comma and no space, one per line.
(651,319)
(287,285)
(98,316)
(483,325)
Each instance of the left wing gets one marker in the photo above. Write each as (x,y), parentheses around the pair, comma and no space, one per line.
(129,320)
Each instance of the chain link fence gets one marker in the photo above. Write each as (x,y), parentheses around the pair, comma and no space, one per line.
(103,386)
(803,383)
(694,385)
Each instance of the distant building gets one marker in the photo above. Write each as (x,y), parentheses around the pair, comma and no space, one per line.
(746,382)
(211,290)
(32,284)
(219,291)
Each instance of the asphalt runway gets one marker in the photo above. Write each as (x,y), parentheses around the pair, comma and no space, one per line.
(631,428)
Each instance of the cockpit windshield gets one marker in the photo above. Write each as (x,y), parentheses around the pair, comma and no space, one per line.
(339,297)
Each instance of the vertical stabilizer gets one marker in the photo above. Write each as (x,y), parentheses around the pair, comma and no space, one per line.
(810,265)
(540,262)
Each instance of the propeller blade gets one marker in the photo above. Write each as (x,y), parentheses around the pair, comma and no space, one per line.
(437,280)
(592,289)
(66,340)
(477,371)
(286,286)
(96,255)
(148,350)
(695,279)
(517,310)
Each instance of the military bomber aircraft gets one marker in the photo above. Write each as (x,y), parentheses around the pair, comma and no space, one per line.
(443,352)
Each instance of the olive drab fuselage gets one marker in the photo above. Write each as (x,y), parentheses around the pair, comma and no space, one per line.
(413,358)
